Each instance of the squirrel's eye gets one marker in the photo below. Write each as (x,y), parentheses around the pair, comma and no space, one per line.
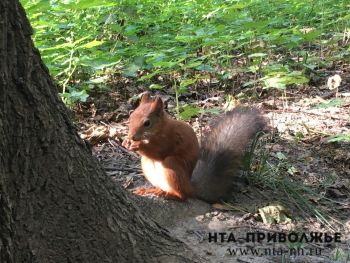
(147,123)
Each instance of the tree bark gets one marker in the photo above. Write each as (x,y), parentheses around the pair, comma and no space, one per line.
(56,203)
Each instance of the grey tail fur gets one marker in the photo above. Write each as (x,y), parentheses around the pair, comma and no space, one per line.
(222,153)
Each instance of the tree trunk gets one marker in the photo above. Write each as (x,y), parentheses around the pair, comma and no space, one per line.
(56,203)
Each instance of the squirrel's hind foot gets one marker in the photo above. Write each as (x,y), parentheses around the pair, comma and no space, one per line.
(142,191)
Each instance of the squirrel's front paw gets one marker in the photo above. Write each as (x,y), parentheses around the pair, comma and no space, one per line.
(131,145)
(126,143)
(134,146)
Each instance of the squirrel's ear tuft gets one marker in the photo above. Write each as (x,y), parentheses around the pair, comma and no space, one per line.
(145,97)
(158,104)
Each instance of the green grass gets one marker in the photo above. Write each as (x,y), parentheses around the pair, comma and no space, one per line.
(276,174)
(277,42)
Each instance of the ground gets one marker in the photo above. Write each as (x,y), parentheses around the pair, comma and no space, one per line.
(303,172)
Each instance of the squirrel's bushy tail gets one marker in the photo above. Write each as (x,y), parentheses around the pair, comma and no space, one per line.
(222,153)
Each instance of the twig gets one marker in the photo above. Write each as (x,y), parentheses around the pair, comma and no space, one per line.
(123,149)
(122,169)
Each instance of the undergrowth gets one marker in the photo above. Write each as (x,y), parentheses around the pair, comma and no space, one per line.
(275,172)
(276,43)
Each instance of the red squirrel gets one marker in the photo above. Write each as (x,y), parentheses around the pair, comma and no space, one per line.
(172,160)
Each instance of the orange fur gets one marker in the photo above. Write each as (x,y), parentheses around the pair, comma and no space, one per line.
(169,176)
(169,150)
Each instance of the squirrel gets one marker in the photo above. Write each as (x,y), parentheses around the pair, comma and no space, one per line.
(172,160)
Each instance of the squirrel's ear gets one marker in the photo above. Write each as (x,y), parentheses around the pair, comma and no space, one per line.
(145,97)
(158,104)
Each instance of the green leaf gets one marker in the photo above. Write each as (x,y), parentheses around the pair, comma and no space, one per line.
(74,96)
(131,70)
(92,44)
(66,45)
(332,103)
(99,64)
(83,4)
(204,67)
(215,111)
(165,64)
(99,80)
(40,6)
(149,76)
(189,112)
(340,138)
(281,156)
(156,86)
(131,30)
(191,65)
(312,35)
(280,80)
(187,82)
(257,55)
(274,82)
